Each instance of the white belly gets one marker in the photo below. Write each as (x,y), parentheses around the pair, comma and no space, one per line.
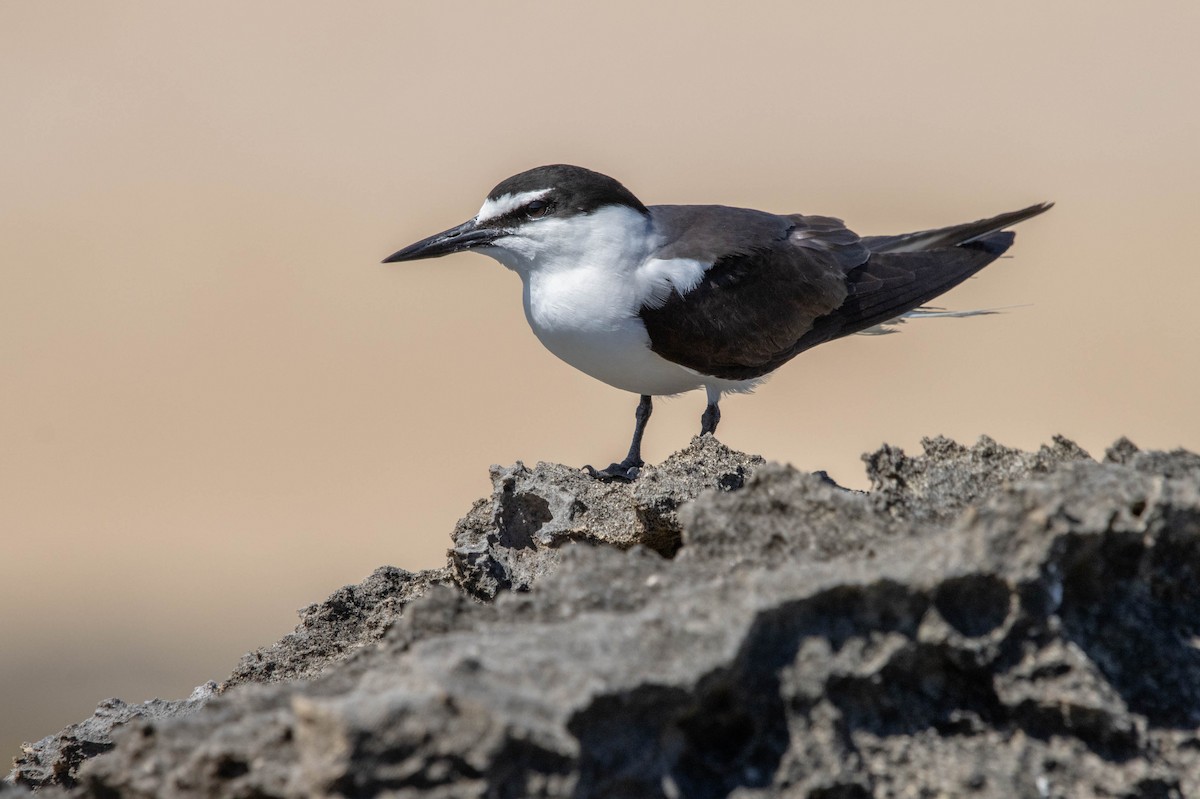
(588,318)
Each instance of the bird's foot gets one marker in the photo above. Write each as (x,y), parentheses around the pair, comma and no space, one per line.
(624,472)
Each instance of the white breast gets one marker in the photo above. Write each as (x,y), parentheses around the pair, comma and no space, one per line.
(585,279)
(588,317)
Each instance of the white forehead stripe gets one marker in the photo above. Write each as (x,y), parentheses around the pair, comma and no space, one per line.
(507,202)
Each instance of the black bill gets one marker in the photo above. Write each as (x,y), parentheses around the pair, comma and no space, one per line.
(456,239)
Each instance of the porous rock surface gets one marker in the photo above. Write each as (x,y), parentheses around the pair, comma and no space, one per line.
(984,622)
(514,537)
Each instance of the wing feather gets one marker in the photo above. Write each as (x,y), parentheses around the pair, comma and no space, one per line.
(770,280)
(779,285)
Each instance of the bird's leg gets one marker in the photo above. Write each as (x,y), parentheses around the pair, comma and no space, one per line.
(641,416)
(628,469)
(710,418)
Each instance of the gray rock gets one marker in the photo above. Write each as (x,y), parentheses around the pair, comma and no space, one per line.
(352,617)
(1178,463)
(510,540)
(784,516)
(11,790)
(936,486)
(55,759)
(805,641)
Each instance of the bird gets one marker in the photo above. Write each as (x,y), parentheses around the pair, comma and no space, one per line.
(663,299)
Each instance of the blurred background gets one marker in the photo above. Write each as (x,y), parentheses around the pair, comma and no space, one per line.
(216,406)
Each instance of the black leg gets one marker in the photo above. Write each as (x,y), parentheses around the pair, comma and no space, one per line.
(628,469)
(710,419)
(641,416)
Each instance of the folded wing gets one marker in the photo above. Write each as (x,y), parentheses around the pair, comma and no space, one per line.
(782,284)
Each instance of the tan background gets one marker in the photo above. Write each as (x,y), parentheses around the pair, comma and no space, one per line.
(218,407)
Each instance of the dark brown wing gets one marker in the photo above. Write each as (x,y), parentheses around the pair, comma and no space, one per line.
(776,277)
(759,307)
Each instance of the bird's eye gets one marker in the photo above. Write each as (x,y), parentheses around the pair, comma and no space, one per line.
(537,208)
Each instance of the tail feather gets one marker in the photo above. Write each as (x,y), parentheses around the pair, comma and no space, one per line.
(905,272)
(890,284)
(953,236)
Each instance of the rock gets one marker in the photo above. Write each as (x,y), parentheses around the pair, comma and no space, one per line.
(1027,632)
(11,790)
(936,486)
(352,617)
(55,759)
(784,516)
(659,493)
(1178,463)
(509,541)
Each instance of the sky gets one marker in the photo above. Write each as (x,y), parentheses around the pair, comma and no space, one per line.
(217,406)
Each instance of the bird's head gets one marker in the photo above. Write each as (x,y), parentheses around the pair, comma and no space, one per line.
(546,215)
